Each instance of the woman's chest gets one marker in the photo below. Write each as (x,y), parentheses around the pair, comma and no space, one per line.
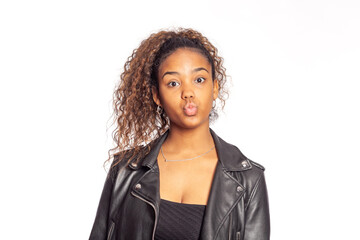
(187,182)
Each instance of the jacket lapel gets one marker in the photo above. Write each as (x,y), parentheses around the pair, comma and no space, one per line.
(225,191)
(148,185)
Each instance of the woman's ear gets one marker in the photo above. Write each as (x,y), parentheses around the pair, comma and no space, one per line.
(215,89)
(155,95)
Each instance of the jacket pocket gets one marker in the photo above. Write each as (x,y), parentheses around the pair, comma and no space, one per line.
(111,230)
(238,235)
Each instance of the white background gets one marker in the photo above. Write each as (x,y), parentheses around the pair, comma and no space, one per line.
(293,106)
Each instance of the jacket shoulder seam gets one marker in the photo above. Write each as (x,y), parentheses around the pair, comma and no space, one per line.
(257,165)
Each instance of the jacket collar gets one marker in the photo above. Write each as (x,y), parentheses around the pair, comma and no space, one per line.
(229,156)
(226,191)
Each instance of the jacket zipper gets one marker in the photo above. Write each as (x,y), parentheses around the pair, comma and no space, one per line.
(153,206)
(238,235)
(111,230)
(230,223)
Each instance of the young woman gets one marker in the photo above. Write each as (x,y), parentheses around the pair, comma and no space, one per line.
(172,177)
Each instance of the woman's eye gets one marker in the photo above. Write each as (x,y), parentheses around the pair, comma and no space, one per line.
(200,80)
(173,84)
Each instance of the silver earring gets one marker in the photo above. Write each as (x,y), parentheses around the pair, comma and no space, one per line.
(214,104)
(159,109)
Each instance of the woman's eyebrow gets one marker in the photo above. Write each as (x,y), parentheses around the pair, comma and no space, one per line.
(170,73)
(199,69)
(176,73)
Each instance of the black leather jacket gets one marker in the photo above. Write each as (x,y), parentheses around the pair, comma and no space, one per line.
(237,207)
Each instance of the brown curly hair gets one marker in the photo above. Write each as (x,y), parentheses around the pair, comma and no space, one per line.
(138,122)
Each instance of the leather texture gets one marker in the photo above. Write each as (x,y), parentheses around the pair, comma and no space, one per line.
(237,207)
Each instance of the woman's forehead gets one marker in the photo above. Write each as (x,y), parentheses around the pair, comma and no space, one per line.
(185,58)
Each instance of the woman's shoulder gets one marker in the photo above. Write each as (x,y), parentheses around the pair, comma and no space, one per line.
(122,161)
(258,165)
(130,159)
(234,159)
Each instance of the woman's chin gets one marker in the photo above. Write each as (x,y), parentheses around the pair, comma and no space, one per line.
(189,122)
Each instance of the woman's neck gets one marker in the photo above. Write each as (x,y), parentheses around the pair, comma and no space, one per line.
(189,140)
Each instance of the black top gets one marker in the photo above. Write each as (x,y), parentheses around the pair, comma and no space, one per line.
(179,221)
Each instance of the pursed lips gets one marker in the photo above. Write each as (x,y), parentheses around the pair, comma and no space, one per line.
(190,109)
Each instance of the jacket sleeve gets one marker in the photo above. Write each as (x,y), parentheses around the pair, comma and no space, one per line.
(257,222)
(99,230)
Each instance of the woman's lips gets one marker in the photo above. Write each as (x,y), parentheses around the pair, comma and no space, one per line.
(190,109)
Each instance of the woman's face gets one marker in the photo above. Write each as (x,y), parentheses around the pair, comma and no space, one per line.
(186,88)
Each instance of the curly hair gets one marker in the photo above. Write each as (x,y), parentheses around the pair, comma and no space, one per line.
(137,121)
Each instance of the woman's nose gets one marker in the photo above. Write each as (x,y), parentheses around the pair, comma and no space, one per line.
(187,93)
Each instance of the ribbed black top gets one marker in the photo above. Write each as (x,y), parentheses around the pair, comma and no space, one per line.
(179,221)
